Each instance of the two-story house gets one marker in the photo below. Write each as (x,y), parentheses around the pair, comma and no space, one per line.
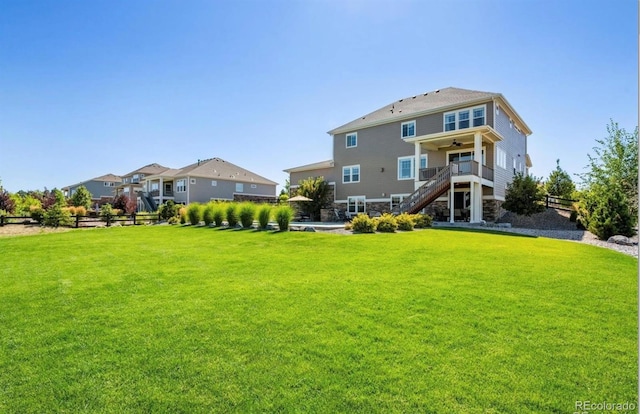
(101,188)
(133,185)
(206,180)
(451,152)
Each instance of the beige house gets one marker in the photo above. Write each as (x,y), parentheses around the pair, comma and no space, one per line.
(450,152)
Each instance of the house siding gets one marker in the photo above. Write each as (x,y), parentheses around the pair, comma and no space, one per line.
(514,143)
(202,191)
(329,174)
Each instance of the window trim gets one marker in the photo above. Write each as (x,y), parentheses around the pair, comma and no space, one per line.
(456,118)
(351,180)
(351,134)
(411,168)
(181,185)
(400,196)
(402,129)
(239,187)
(364,205)
(501,158)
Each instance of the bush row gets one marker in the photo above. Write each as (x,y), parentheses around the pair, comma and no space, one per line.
(388,223)
(240,215)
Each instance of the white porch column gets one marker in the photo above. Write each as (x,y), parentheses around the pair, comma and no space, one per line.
(451,204)
(161,190)
(476,187)
(416,163)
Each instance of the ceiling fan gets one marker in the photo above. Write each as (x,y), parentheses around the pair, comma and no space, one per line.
(455,144)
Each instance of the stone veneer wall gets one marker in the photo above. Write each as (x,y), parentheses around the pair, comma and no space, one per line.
(491,210)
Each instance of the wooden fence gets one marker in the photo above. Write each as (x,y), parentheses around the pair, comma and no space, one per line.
(86,221)
(559,203)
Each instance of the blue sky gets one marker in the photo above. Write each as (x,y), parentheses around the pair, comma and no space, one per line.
(95,87)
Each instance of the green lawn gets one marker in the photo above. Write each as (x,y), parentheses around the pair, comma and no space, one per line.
(181,319)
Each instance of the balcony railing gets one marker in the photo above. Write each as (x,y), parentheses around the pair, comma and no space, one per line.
(156,193)
(458,168)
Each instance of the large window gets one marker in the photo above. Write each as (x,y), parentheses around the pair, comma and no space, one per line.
(352,140)
(239,187)
(181,186)
(356,205)
(351,174)
(501,158)
(396,200)
(408,129)
(464,118)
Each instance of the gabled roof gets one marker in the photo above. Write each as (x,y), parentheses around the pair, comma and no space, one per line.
(149,169)
(103,178)
(421,104)
(217,168)
(310,167)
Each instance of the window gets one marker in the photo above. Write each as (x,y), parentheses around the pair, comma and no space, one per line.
(352,140)
(254,186)
(136,178)
(125,180)
(501,158)
(405,168)
(126,190)
(181,186)
(355,205)
(449,122)
(109,184)
(463,119)
(351,174)
(155,186)
(396,200)
(408,129)
(239,187)
(478,117)
(214,183)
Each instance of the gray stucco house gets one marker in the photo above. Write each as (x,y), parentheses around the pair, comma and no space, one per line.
(450,152)
(101,188)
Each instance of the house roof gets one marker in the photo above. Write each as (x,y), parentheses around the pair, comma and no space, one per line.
(422,104)
(149,169)
(106,178)
(217,168)
(309,167)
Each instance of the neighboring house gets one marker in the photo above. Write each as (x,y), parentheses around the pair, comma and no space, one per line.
(132,184)
(451,152)
(101,188)
(206,180)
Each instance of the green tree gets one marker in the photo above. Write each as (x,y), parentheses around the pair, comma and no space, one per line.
(609,204)
(524,196)
(317,189)
(559,183)
(81,197)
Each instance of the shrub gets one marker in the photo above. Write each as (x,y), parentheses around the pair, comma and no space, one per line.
(362,223)
(610,213)
(194,213)
(6,202)
(247,214)
(106,213)
(218,215)
(422,221)
(406,222)
(168,210)
(386,223)
(232,215)
(284,215)
(56,216)
(37,213)
(80,211)
(264,215)
(207,214)
(173,220)
(524,196)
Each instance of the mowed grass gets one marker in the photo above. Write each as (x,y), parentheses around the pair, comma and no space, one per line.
(182,319)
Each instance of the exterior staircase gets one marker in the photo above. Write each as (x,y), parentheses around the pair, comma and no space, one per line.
(428,192)
(148,201)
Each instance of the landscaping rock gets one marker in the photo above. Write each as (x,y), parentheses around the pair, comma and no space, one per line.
(618,239)
(310,229)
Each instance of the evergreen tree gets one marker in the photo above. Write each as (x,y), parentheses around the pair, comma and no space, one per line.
(559,183)
(81,197)
(524,196)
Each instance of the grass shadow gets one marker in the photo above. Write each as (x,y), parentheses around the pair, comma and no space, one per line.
(487,231)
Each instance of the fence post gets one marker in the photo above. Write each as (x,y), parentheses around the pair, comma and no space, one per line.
(108,220)
(134,217)
(547,197)
(77,220)
(2,221)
